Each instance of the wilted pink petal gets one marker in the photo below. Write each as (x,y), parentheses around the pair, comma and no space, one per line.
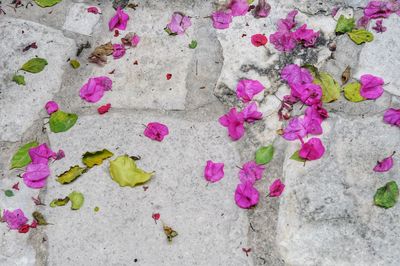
(93,9)
(41,154)
(363,22)
(156,131)
(262,9)
(213,172)
(94,89)
(310,93)
(334,11)
(179,23)
(306,36)
(259,40)
(295,75)
(392,117)
(221,19)
(51,107)
(377,9)
(60,154)
(238,7)
(119,20)
(295,129)
(289,22)
(313,149)
(135,40)
(250,172)
(276,188)
(250,113)
(312,124)
(379,26)
(118,50)
(371,86)
(234,121)
(316,111)
(246,195)
(14,219)
(247,88)
(384,165)
(283,41)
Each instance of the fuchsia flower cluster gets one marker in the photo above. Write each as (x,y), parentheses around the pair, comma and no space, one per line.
(285,39)
(378,10)
(179,24)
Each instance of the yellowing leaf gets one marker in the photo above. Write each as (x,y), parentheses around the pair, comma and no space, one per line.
(91,159)
(39,218)
(330,87)
(61,121)
(47,3)
(361,36)
(73,173)
(76,199)
(169,232)
(74,63)
(59,202)
(352,92)
(21,158)
(35,65)
(124,171)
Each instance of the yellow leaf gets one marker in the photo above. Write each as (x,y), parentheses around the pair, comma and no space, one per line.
(73,173)
(124,171)
(91,159)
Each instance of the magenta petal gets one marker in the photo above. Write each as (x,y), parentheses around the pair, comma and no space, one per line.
(312,149)
(295,129)
(41,154)
(289,22)
(221,19)
(377,9)
(234,121)
(250,172)
(276,188)
(14,219)
(35,184)
(283,41)
(51,107)
(250,113)
(238,7)
(392,117)
(118,50)
(246,195)
(371,86)
(306,36)
(295,75)
(213,172)
(119,20)
(179,23)
(262,9)
(384,165)
(248,88)
(36,172)
(156,131)
(94,89)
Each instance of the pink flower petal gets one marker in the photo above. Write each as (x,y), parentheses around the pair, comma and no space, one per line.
(179,23)
(262,9)
(295,75)
(93,9)
(248,88)
(14,219)
(313,149)
(250,172)
(392,117)
(213,172)
(283,41)
(306,36)
(371,86)
(296,129)
(238,7)
(118,50)
(384,165)
(250,113)
(276,188)
(246,196)
(259,40)
(135,40)
(51,107)
(94,89)
(156,131)
(221,19)
(119,20)
(41,154)
(36,172)
(234,121)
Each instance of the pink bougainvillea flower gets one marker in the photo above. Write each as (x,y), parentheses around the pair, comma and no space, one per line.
(377,9)
(262,9)
(247,88)
(250,113)
(94,89)
(179,23)
(14,219)
(289,22)
(238,7)
(51,107)
(276,188)
(119,20)
(104,108)
(306,36)
(316,111)
(234,121)
(41,154)
(93,9)
(283,41)
(35,175)
(310,93)
(60,154)
(312,122)
(371,86)
(379,26)
(221,19)
(156,131)
(246,196)
(295,75)
(363,22)
(392,117)
(251,172)
(384,165)
(118,50)
(213,172)
(295,129)
(135,40)
(313,149)
(259,40)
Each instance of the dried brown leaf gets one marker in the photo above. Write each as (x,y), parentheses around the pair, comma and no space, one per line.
(100,53)
(346,75)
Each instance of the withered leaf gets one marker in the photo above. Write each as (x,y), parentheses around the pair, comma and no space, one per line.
(346,75)
(59,202)
(73,173)
(39,218)
(91,159)
(169,232)
(100,53)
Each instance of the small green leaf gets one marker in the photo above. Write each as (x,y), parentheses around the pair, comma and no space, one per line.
(71,175)
(61,121)
(76,199)
(19,79)
(345,24)
(96,209)
(297,157)
(330,87)
(361,36)
(91,159)
(74,63)
(193,44)
(39,218)
(386,196)
(352,92)
(264,154)
(9,193)
(21,158)
(35,65)
(47,3)
(124,171)
(59,202)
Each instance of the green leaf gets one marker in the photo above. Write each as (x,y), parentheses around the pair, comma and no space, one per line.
(91,159)
(39,218)
(61,121)
(59,202)
(9,193)
(352,92)
(361,36)
(264,154)
(19,79)
(193,44)
(47,3)
(345,24)
(74,63)
(124,171)
(330,87)
(71,175)
(21,158)
(76,199)
(386,196)
(297,157)
(35,65)
(96,209)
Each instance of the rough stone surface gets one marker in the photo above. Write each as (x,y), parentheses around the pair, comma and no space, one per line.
(80,20)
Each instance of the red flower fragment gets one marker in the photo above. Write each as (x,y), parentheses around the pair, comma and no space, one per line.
(155,216)
(24,229)
(246,250)
(104,108)
(16,186)
(32,45)
(168,76)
